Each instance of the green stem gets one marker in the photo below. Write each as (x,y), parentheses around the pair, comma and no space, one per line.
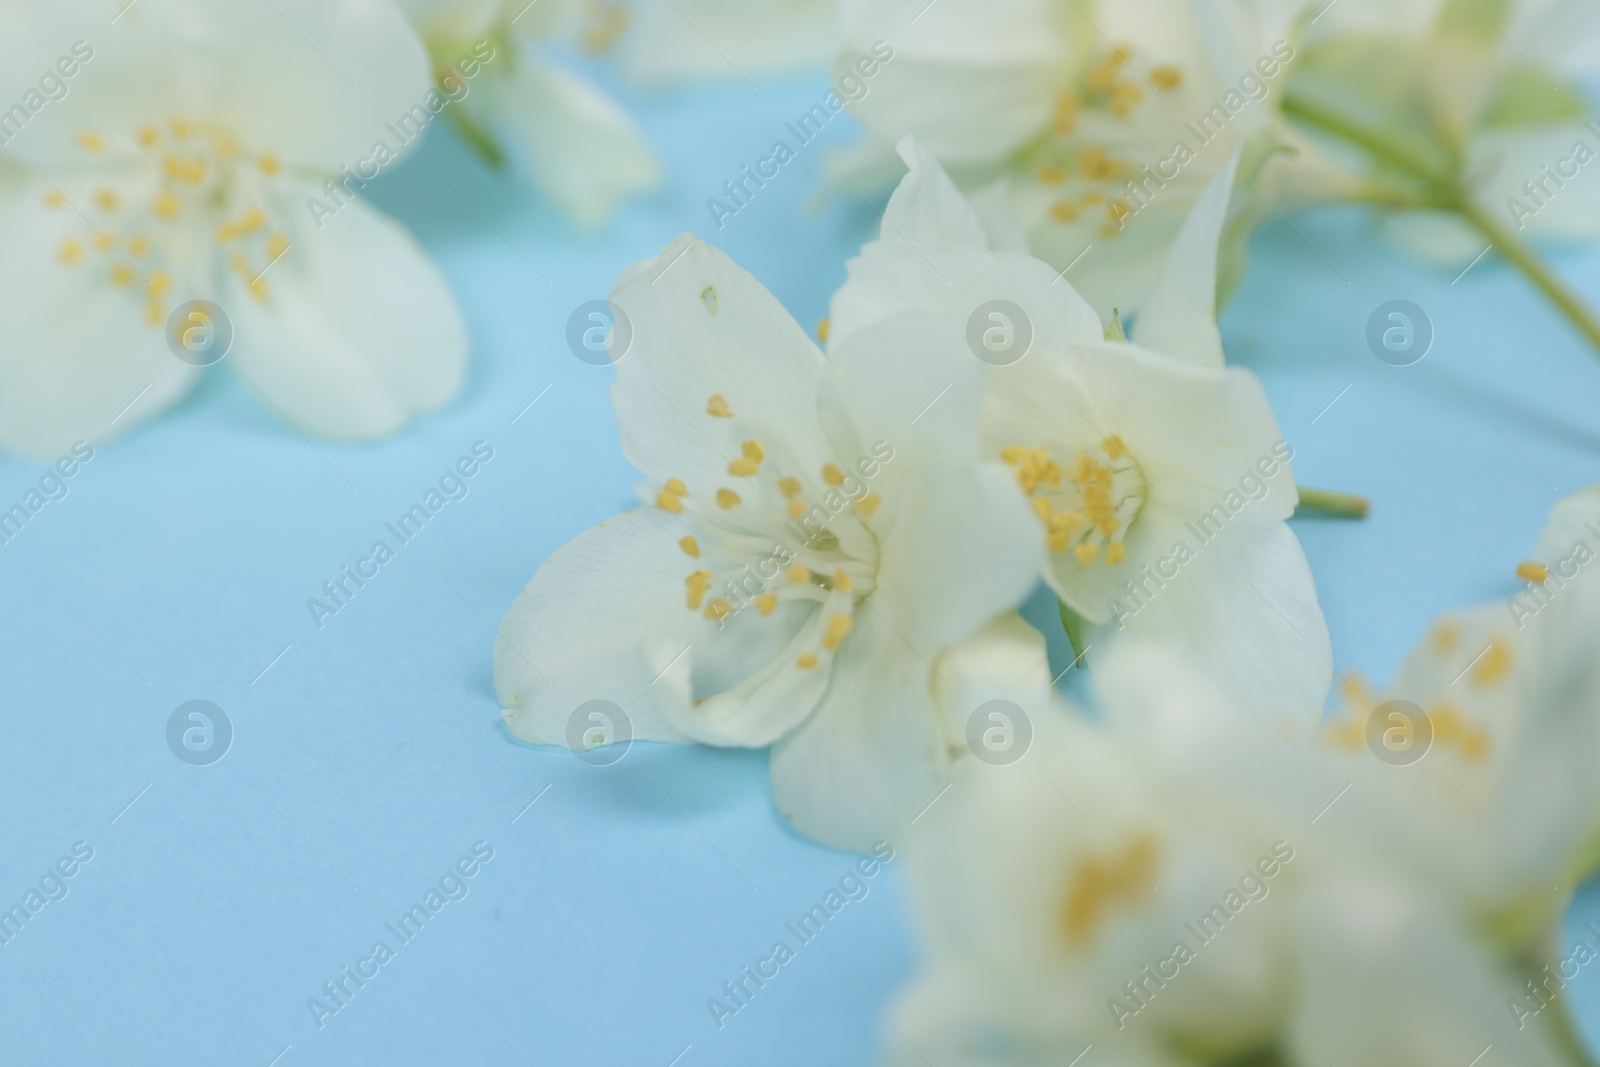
(1445,192)
(1375,142)
(1334,505)
(1520,255)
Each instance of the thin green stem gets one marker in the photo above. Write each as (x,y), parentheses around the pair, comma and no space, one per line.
(1376,143)
(1334,505)
(1445,192)
(1520,255)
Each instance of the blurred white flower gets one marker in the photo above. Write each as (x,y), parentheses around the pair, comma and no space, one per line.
(1487,95)
(1102,123)
(576,144)
(818,534)
(177,163)
(1159,479)
(1180,887)
(679,41)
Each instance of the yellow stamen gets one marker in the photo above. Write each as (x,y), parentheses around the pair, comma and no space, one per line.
(138,245)
(70,251)
(268,163)
(767,603)
(841,581)
(1064,211)
(691,547)
(91,142)
(806,660)
(148,135)
(697,584)
(1115,553)
(719,608)
(838,629)
(1536,573)
(822,330)
(1167,77)
(159,282)
(727,498)
(1495,663)
(106,198)
(798,573)
(54,198)
(717,407)
(743,468)
(676,487)
(1052,175)
(165,205)
(790,486)
(121,275)
(868,504)
(832,475)
(797,508)
(668,502)
(1086,553)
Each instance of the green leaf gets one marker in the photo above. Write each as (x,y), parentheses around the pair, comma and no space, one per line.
(1524,97)
(1072,622)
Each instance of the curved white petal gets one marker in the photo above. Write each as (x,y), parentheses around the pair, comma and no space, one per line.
(576,143)
(578,631)
(1180,317)
(358,332)
(702,327)
(957,543)
(872,753)
(1245,609)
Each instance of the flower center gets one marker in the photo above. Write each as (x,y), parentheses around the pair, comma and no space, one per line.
(1089,509)
(775,536)
(1098,885)
(1111,92)
(151,208)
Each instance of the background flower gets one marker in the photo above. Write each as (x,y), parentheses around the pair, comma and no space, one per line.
(181,165)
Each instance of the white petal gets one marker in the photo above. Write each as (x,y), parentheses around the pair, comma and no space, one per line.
(957,543)
(675,41)
(1180,317)
(580,147)
(1004,661)
(1574,520)
(974,82)
(313,81)
(578,631)
(754,692)
(1455,1006)
(870,756)
(926,207)
(78,363)
(703,327)
(359,331)
(1245,609)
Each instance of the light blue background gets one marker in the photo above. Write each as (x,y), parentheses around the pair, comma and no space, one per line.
(372,754)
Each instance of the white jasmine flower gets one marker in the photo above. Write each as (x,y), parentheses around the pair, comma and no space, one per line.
(1159,479)
(571,139)
(1185,898)
(816,536)
(1102,122)
(1492,721)
(177,164)
(677,41)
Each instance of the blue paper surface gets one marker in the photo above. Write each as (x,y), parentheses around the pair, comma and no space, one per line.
(368,755)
